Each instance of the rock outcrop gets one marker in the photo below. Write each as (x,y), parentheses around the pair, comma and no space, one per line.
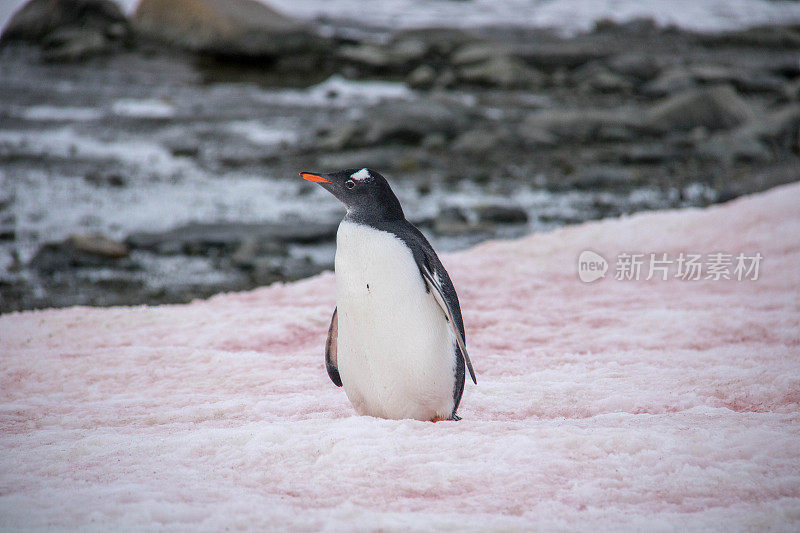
(229,28)
(69,30)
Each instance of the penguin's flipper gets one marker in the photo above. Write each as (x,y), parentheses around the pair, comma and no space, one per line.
(438,294)
(330,350)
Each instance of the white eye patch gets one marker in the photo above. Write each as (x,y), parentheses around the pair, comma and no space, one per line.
(360,175)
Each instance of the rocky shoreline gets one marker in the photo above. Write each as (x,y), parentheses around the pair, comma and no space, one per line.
(494,132)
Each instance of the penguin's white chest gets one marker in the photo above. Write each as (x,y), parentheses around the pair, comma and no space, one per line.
(396,355)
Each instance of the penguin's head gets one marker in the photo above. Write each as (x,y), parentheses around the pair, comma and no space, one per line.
(365,193)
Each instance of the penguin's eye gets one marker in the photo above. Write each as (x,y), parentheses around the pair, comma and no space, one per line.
(349,184)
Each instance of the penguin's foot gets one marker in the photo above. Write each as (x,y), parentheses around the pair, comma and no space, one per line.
(454,418)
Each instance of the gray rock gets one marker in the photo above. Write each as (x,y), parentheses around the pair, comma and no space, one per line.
(646,153)
(229,28)
(501,71)
(434,142)
(97,244)
(713,108)
(225,238)
(791,90)
(477,52)
(409,50)
(368,54)
(479,142)
(670,81)
(441,41)
(398,57)
(580,125)
(779,126)
(412,121)
(422,77)
(742,79)
(596,77)
(729,147)
(338,138)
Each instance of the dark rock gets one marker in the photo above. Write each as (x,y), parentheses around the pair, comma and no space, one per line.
(713,108)
(269,270)
(602,177)
(451,221)
(38,19)
(73,45)
(501,214)
(226,238)
(68,30)
(111,179)
(564,54)
(8,228)
(636,64)
(227,28)
(640,25)
(81,251)
(761,36)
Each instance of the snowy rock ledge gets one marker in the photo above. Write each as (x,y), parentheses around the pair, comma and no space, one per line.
(615,405)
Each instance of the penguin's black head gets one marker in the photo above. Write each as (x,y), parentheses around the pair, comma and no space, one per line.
(365,193)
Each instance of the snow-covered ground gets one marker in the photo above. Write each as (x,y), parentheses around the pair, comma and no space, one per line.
(570,16)
(616,405)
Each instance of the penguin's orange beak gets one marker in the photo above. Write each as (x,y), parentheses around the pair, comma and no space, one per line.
(313,177)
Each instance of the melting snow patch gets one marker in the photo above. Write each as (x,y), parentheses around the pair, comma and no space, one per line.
(143,108)
(259,133)
(337,91)
(56,114)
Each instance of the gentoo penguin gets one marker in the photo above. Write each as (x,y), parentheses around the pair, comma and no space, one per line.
(396,339)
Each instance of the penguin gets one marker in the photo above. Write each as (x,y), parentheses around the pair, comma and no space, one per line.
(396,341)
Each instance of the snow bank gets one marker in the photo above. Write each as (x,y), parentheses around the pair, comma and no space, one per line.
(633,405)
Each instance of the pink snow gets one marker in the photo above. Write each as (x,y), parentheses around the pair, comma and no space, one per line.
(616,405)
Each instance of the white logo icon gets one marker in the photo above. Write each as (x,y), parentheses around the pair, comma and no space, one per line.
(591,266)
